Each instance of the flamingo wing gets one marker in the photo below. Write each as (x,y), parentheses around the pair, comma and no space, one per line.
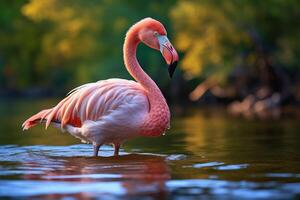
(93,102)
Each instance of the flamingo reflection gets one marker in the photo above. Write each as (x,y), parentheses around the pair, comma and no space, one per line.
(135,174)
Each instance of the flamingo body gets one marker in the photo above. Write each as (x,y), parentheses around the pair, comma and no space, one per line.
(107,111)
(115,110)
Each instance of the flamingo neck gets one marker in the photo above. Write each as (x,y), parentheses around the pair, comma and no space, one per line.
(159,116)
(133,67)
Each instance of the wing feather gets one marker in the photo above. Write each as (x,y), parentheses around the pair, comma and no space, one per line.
(90,102)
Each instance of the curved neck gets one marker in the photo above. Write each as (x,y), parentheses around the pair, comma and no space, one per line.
(157,120)
(133,66)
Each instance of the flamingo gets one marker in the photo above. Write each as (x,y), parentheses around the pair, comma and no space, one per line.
(115,110)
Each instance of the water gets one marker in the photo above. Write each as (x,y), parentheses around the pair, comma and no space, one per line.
(205,154)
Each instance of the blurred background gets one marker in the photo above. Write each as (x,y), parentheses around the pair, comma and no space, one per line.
(234,98)
(241,54)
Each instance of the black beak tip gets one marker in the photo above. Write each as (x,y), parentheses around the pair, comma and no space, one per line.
(172,68)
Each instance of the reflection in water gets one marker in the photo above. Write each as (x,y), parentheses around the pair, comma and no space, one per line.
(53,176)
(221,138)
(201,130)
(206,154)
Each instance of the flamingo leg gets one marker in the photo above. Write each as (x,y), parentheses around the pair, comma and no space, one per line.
(117,148)
(96,149)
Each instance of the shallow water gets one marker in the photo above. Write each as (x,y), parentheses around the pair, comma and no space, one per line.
(205,154)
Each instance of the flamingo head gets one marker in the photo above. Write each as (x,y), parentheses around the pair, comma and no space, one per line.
(154,35)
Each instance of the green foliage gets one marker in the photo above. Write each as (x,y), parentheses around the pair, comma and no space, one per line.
(67,43)
(63,43)
(19,46)
(219,35)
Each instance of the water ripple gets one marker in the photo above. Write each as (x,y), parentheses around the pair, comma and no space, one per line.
(233,189)
(176,157)
(34,188)
(208,164)
(93,176)
(231,167)
(41,171)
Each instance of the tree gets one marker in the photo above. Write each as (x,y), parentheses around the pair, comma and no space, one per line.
(217,37)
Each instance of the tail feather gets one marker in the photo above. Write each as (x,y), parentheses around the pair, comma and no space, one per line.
(35,119)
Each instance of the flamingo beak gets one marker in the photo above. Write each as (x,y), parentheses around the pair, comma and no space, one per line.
(168,52)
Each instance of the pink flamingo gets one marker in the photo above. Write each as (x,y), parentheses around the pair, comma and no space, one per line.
(115,110)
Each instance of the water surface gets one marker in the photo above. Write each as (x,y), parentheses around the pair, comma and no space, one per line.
(205,154)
